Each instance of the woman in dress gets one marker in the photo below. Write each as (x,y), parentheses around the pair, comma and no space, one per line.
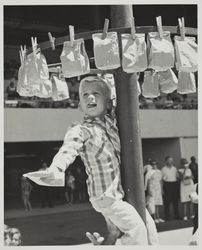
(154,189)
(186,188)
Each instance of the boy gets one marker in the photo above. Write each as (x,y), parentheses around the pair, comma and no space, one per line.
(96,140)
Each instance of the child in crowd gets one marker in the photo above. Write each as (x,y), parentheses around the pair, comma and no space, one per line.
(69,187)
(26,189)
(12,236)
(96,140)
(15,237)
(7,237)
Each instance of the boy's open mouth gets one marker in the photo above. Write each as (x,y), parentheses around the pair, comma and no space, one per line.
(91,105)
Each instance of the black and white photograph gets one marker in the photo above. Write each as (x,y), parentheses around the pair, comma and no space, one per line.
(100,123)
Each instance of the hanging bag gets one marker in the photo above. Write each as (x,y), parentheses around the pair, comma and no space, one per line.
(186,83)
(106,51)
(134,57)
(60,89)
(186,54)
(38,75)
(160,51)
(150,86)
(167,81)
(74,59)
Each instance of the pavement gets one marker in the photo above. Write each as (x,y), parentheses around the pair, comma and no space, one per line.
(19,212)
(167,235)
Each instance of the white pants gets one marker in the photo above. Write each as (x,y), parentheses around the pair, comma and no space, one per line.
(127,219)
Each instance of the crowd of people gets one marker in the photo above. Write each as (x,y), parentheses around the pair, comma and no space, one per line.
(75,189)
(170,185)
(164,186)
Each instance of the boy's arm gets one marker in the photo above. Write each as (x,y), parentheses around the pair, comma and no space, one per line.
(73,142)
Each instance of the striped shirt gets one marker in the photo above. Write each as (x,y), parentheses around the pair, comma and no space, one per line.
(97,142)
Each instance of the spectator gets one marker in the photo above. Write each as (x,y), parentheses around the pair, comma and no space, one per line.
(159,102)
(7,236)
(26,189)
(12,236)
(80,182)
(73,86)
(11,91)
(69,187)
(194,168)
(147,166)
(15,237)
(186,188)
(170,187)
(154,187)
(168,104)
(194,200)
(46,193)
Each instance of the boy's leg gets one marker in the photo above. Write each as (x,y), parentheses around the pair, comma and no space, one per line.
(151,230)
(125,217)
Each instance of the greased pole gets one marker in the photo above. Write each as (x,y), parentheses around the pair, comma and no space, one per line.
(129,122)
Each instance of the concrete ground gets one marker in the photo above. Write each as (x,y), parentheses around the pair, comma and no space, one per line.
(74,221)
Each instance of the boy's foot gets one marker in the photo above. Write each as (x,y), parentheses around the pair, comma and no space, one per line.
(192,217)
(156,220)
(161,220)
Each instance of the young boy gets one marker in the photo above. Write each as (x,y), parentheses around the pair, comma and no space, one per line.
(96,140)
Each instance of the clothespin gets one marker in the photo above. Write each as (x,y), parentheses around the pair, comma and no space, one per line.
(181,23)
(71,34)
(22,53)
(34,45)
(52,40)
(159,26)
(21,60)
(105,29)
(133,28)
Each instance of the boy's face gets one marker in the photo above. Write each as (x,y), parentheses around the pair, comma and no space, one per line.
(93,100)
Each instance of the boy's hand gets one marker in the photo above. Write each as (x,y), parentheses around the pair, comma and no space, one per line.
(95,238)
(54,169)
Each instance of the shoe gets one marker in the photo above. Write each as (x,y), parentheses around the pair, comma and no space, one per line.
(185,218)
(156,221)
(161,220)
(192,217)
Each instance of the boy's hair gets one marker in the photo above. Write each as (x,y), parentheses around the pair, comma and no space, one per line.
(98,80)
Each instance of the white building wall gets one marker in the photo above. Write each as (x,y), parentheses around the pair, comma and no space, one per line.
(51,124)
(189,147)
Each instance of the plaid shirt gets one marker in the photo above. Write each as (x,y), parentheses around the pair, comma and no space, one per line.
(98,144)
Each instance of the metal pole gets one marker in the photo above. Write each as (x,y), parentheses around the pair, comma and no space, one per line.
(129,122)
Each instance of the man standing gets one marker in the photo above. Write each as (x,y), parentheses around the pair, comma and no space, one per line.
(170,187)
(194,168)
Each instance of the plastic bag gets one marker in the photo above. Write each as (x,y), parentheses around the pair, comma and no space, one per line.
(106,51)
(33,77)
(60,89)
(134,58)
(150,86)
(160,51)
(46,178)
(186,54)
(74,59)
(167,81)
(186,83)
(37,69)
